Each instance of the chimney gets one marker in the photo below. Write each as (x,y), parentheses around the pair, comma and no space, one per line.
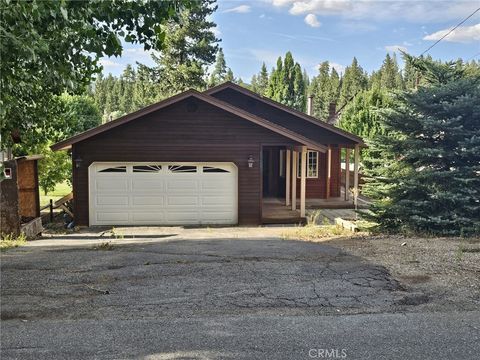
(310,105)
(332,113)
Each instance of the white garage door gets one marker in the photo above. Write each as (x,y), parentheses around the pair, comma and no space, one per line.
(162,193)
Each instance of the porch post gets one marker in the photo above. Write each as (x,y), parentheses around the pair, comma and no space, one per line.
(294,180)
(287,177)
(347,174)
(355,175)
(303,181)
(329,170)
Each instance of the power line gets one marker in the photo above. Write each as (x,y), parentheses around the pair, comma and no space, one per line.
(448,33)
(474,56)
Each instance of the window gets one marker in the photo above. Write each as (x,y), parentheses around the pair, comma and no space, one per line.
(182,169)
(209,169)
(282,163)
(312,164)
(117,169)
(147,168)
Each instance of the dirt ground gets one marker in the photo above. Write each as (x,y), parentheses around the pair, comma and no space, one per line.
(445,270)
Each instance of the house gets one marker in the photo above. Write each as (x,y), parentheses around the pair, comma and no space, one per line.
(205,158)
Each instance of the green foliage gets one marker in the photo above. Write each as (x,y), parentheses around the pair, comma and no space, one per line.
(361,116)
(324,88)
(423,169)
(353,82)
(286,84)
(190,47)
(220,72)
(49,47)
(9,241)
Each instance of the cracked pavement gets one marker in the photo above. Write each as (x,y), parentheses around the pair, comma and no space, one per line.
(177,280)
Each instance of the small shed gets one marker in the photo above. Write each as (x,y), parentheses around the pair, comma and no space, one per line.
(20,197)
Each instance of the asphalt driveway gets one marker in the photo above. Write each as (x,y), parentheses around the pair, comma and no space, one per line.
(87,296)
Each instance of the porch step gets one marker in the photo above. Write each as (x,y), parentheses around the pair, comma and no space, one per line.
(287,220)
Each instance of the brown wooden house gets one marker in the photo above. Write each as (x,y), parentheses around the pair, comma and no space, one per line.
(215,157)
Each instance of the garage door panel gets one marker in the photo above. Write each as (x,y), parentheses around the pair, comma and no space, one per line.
(147,184)
(111,200)
(106,217)
(184,217)
(216,200)
(168,194)
(148,217)
(182,185)
(111,184)
(148,200)
(182,200)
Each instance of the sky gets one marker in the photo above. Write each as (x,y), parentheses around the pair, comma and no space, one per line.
(314,31)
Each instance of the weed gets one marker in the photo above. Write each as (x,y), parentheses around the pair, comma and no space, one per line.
(104,246)
(117,234)
(314,232)
(9,241)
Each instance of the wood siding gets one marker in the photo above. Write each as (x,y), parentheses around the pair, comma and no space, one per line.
(316,187)
(282,118)
(188,131)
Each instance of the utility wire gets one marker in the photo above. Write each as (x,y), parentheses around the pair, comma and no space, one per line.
(448,33)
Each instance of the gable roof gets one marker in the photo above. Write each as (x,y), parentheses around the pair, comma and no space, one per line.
(67,143)
(298,114)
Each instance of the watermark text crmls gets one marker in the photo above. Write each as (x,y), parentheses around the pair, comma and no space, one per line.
(327,353)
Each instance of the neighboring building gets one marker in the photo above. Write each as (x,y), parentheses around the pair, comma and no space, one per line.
(204,158)
(19,197)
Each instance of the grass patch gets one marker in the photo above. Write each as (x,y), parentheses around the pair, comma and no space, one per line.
(10,241)
(315,232)
(60,191)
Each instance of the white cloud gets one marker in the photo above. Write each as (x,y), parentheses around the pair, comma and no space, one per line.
(395,48)
(462,34)
(339,67)
(312,20)
(106,63)
(414,11)
(241,9)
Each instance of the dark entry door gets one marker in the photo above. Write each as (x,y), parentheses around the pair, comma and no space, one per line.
(273,181)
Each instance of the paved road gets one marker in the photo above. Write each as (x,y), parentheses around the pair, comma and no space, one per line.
(368,336)
(215,294)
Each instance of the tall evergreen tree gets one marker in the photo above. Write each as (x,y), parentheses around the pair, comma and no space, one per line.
(262,80)
(353,82)
(423,175)
(220,70)
(286,84)
(189,48)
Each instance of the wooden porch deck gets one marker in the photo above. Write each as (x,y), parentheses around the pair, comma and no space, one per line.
(274,210)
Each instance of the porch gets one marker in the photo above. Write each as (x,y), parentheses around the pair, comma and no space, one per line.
(297,179)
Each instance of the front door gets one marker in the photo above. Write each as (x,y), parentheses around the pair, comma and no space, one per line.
(273,171)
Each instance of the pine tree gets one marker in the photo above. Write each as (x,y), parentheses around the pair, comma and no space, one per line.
(262,80)
(189,49)
(229,76)
(423,172)
(219,72)
(127,79)
(353,82)
(286,84)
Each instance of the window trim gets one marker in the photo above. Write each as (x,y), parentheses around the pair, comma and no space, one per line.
(299,164)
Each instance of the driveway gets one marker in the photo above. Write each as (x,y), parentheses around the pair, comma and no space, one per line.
(173,293)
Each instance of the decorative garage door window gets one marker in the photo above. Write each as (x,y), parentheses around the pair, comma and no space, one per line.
(209,169)
(182,169)
(147,168)
(116,169)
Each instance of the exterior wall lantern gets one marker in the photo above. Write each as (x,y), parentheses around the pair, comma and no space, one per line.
(250,161)
(78,162)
